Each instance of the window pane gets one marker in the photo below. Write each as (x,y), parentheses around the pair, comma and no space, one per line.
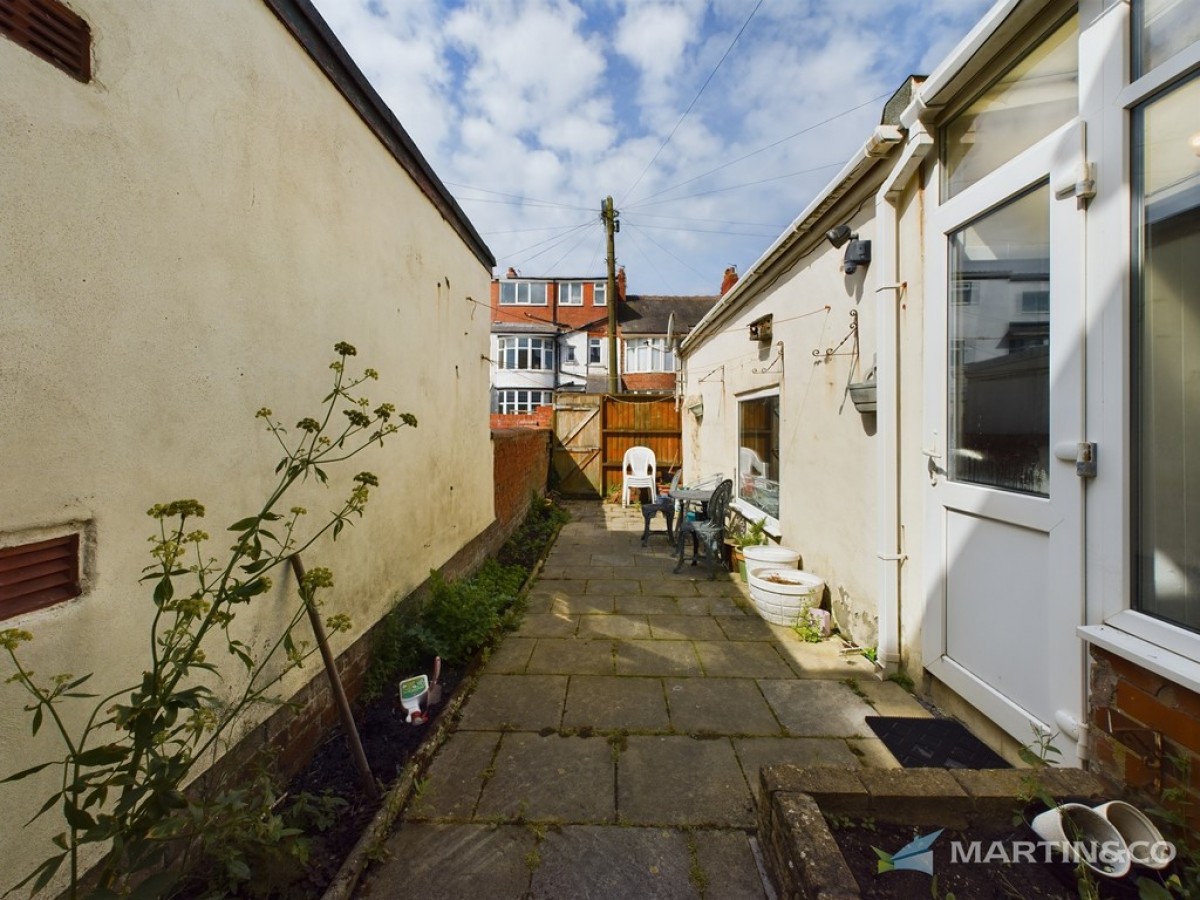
(508,292)
(600,294)
(758,454)
(1161,28)
(1033,98)
(1167,361)
(999,400)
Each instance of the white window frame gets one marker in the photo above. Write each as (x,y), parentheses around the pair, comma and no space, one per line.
(570,293)
(1115,624)
(655,352)
(522,293)
(596,344)
(521,401)
(600,293)
(509,347)
(744,508)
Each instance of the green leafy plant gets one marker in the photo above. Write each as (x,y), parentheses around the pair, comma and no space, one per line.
(122,775)
(754,534)
(458,618)
(808,632)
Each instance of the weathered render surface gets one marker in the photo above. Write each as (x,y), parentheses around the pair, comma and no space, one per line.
(184,239)
(827,470)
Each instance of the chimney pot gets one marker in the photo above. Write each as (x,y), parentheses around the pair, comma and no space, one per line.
(730,279)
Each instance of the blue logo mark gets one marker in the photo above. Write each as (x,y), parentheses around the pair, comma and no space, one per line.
(915,856)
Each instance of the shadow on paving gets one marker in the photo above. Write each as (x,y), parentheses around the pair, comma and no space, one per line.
(612,744)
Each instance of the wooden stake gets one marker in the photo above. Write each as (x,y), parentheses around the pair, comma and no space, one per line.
(335,684)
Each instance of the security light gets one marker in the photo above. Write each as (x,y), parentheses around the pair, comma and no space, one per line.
(838,236)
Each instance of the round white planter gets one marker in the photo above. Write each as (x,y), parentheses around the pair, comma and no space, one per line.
(770,556)
(1079,833)
(781,596)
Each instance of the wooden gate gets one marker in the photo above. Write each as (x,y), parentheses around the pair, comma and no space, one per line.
(593,431)
(576,460)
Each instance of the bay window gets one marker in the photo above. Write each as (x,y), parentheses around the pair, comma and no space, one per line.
(648,355)
(525,353)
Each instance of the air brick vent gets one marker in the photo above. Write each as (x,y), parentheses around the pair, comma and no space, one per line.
(50,30)
(33,576)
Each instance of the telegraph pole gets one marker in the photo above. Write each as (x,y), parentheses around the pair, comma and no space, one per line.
(611,226)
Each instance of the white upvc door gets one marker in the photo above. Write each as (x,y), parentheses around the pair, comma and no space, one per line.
(1004,382)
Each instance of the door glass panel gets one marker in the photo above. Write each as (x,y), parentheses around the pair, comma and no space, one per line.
(1029,101)
(999,329)
(1161,28)
(1167,362)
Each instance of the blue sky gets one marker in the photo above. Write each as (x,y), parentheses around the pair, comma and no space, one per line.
(532,111)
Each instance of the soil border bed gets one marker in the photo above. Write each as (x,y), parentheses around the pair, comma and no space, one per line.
(803,857)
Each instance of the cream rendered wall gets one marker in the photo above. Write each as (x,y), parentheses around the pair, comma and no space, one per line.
(183,240)
(827,448)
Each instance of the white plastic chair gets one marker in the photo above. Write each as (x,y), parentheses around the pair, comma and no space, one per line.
(637,471)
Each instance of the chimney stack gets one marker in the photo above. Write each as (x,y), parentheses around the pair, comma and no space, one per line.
(511,273)
(621,283)
(730,279)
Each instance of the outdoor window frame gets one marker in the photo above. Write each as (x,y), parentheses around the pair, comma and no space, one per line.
(525,354)
(1122,627)
(756,492)
(521,401)
(600,293)
(570,293)
(524,293)
(595,351)
(648,355)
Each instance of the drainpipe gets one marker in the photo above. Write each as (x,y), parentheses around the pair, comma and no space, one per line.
(888,296)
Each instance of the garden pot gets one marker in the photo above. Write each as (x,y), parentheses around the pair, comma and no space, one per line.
(1147,847)
(771,556)
(782,596)
(864,396)
(1080,833)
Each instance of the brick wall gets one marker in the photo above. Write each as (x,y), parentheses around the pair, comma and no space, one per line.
(1145,732)
(521,467)
(521,460)
(541,417)
(650,381)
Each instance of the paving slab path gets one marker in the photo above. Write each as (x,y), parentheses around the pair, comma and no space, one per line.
(611,746)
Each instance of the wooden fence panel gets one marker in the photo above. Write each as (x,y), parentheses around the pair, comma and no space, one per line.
(632,420)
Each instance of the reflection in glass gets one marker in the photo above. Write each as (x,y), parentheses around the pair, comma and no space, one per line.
(1161,28)
(1167,362)
(999,385)
(758,454)
(1029,101)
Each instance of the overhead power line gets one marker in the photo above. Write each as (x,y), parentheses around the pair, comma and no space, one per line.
(770,146)
(728,50)
(738,187)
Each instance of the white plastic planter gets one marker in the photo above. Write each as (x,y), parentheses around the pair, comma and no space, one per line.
(1147,847)
(1079,833)
(770,556)
(782,596)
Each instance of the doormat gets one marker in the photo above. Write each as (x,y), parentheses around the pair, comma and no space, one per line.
(934,744)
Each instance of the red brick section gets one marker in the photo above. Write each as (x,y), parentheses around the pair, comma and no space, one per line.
(542,417)
(1133,713)
(521,467)
(522,462)
(650,381)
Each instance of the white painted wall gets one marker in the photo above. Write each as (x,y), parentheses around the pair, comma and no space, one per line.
(827,478)
(183,241)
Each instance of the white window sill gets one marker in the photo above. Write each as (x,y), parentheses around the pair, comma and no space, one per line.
(1178,669)
(753,514)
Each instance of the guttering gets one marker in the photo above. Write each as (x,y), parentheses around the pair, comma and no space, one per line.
(1003,20)
(880,143)
(889,535)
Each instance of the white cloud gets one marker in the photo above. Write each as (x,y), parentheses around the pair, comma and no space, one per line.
(569,100)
